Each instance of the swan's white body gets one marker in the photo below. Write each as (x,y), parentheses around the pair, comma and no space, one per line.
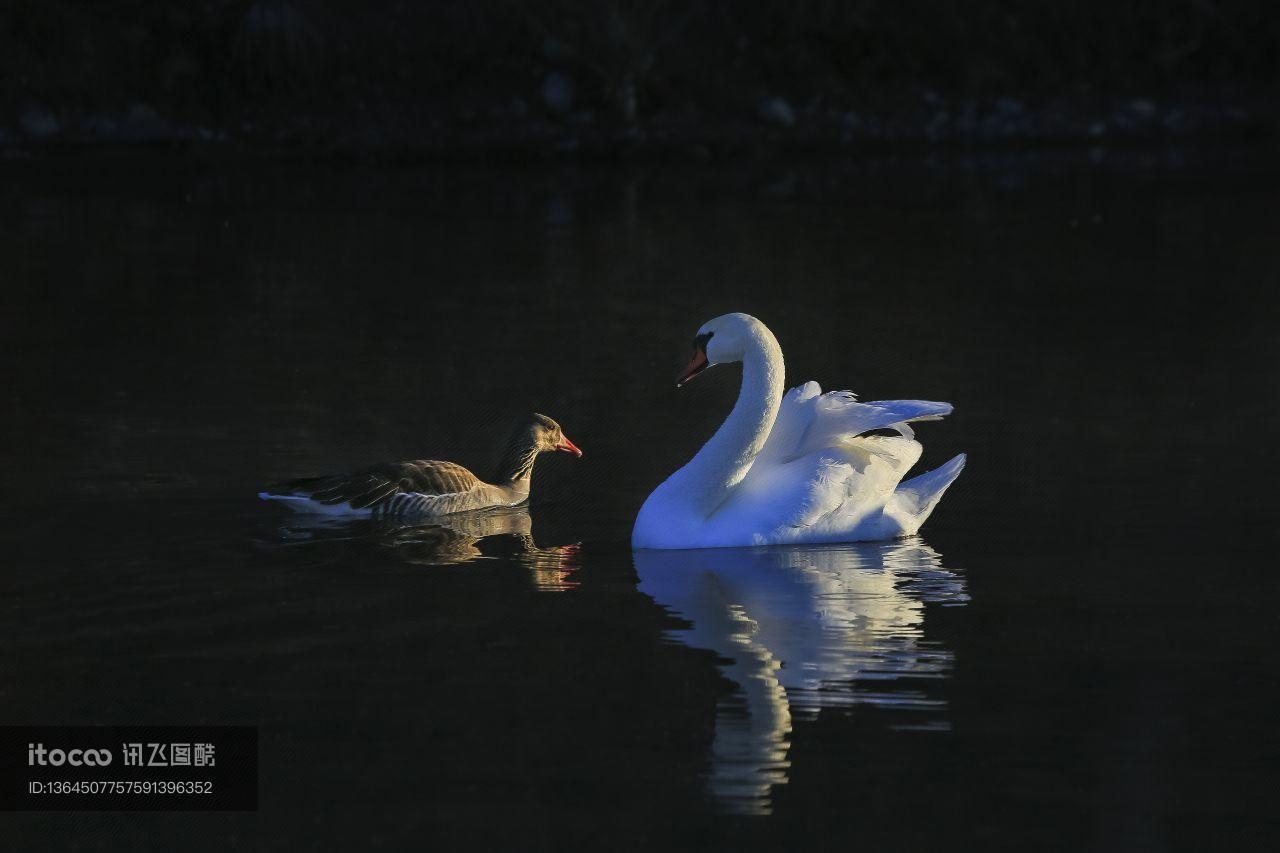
(794,469)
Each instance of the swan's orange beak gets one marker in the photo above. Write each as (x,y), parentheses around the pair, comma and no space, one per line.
(694,367)
(568,447)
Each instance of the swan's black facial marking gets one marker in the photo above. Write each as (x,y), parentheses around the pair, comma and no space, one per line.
(699,362)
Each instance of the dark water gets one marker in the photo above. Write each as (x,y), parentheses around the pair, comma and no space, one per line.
(1078,652)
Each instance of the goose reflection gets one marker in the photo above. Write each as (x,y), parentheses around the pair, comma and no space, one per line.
(803,629)
(505,533)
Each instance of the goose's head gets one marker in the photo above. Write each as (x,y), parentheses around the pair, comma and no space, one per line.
(545,435)
(721,340)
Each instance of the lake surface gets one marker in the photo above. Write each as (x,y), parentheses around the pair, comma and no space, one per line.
(1078,651)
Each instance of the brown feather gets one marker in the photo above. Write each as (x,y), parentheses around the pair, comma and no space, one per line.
(374,486)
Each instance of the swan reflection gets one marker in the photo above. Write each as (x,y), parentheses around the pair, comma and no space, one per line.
(464,537)
(803,629)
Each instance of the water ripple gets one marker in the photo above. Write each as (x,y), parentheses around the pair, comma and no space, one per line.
(806,628)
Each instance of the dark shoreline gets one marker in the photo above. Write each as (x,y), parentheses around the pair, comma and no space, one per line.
(950,128)
(566,80)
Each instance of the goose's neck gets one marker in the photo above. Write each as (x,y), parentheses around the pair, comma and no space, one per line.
(516,467)
(725,459)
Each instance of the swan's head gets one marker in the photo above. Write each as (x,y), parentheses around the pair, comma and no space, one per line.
(721,340)
(545,434)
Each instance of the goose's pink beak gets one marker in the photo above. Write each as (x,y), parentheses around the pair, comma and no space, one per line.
(694,367)
(568,446)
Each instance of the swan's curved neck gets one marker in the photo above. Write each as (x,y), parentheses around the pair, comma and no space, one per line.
(725,459)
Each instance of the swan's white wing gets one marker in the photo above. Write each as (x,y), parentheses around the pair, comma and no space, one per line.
(821,478)
(795,415)
(809,421)
(824,495)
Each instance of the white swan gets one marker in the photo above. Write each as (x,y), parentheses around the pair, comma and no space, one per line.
(799,469)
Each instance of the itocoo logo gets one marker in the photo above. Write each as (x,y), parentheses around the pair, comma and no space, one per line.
(37,754)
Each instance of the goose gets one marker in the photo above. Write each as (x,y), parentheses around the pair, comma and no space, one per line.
(799,469)
(427,488)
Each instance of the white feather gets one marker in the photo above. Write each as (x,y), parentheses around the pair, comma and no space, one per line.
(816,476)
(301,503)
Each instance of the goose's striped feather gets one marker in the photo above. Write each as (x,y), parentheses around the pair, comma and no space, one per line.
(371,487)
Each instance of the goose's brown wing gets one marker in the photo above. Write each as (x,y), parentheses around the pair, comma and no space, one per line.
(375,485)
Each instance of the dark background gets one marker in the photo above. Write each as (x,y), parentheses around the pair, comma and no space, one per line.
(238,246)
(179,332)
(698,79)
